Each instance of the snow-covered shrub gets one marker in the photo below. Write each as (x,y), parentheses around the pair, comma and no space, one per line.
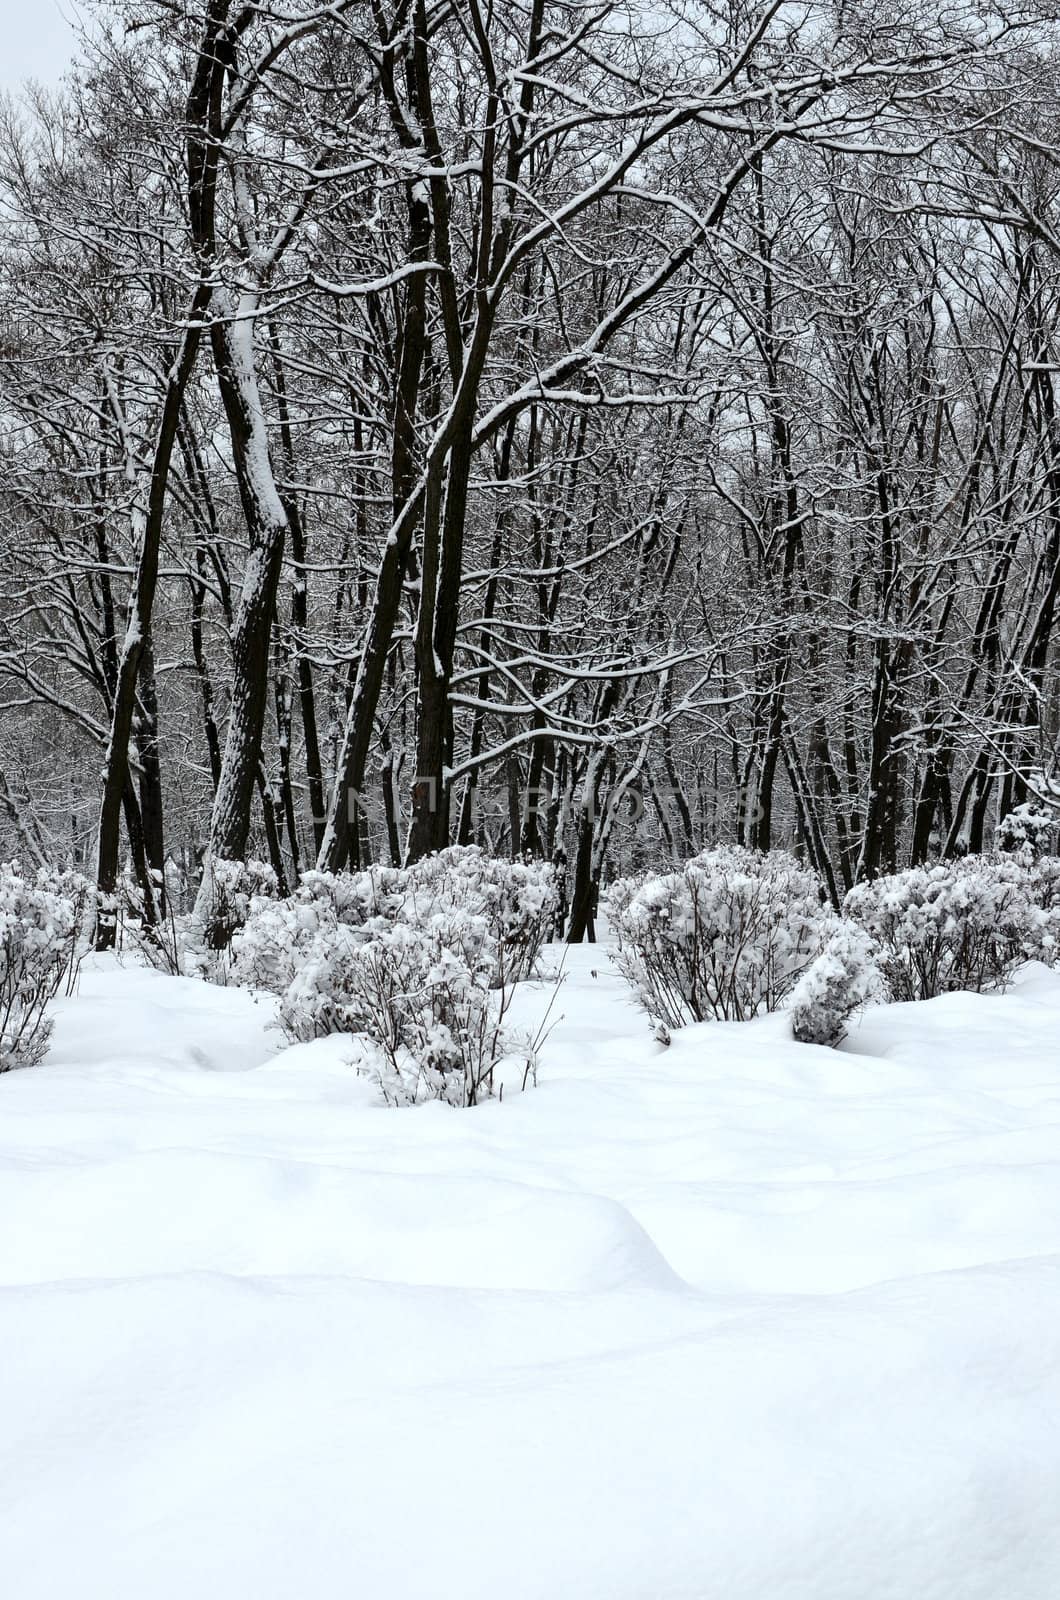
(1043,875)
(962,924)
(1027,832)
(420,994)
(836,984)
(42,939)
(418,961)
(237,883)
(268,949)
(515,900)
(617,897)
(66,883)
(726,936)
(354,896)
(518,900)
(228,889)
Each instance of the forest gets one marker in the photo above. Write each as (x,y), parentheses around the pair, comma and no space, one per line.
(592,429)
(530,800)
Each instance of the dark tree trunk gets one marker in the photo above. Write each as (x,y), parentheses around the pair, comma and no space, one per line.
(203,150)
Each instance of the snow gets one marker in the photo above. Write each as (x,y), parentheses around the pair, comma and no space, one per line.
(738,1318)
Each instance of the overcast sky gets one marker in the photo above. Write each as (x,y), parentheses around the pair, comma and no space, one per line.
(36,40)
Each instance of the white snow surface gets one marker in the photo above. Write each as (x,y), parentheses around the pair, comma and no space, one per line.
(738,1318)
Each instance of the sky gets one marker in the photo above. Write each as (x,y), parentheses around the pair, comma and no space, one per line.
(38,40)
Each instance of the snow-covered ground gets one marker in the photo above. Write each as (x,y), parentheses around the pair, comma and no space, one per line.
(741,1318)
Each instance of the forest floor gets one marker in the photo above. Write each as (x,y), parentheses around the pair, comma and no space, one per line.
(735,1320)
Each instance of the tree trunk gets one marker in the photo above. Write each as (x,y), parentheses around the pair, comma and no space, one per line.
(266,520)
(203,150)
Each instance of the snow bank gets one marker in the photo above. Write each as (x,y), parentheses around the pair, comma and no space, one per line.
(741,1318)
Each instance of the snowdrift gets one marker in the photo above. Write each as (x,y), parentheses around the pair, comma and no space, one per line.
(740,1319)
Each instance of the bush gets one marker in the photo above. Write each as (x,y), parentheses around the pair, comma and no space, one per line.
(839,982)
(43,935)
(726,936)
(963,924)
(1044,887)
(277,935)
(79,892)
(1026,832)
(421,995)
(517,899)
(420,961)
(353,896)
(617,897)
(223,904)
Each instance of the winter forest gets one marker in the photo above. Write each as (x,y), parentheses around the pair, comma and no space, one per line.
(530,801)
(594,431)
